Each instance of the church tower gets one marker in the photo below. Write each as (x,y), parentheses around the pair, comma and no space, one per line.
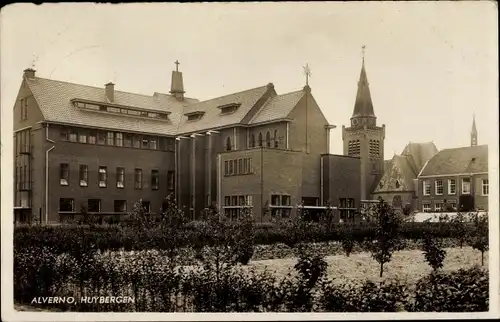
(473,133)
(364,139)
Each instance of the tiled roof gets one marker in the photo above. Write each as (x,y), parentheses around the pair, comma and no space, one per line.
(278,107)
(398,176)
(213,117)
(421,153)
(459,160)
(54,99)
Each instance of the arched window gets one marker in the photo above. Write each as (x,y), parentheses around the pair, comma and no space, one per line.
(228,144)
(260,139)
(268,139)
(252,140)
(276,142)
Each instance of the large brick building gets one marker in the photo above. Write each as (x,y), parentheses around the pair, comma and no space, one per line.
(101,149)
(453,174)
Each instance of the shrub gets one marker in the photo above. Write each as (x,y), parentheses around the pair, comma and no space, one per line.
(369,297)
(463,291)
(433,252)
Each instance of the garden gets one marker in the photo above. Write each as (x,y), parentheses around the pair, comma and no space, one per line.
(386,264)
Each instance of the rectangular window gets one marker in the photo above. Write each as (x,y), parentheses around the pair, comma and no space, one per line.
(485,189)
(438,206)
(250,170)
(249,200)
(170,144)
(82,138)
(426,187)
(138,179)
(119,139)
(24,109)
(241,200)
(245,166)
(120,206)
(231,169)
(73,136)
(285,200)
(64,174)
(452,186)
(439,187)
(84,175)
(64,135)
(426,207)
(466,186)
(240,166)
(92,138)
(67,204)
(152,144)
(120,177)
(155,179)
(234,200)
(128,140)
(236,167)
(94,205)
(227,201)
(111,138)
(226,168)
(275,200)
(137,141)
(103,177)
(101,138)
(170,180)
(145,143)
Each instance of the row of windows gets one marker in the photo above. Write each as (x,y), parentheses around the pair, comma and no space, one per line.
(102,178)
(439,206)
(280,206)
(94,205)
(121,110)
(270,141)
(118,139)
(238,167)
(234,204)
(452,187)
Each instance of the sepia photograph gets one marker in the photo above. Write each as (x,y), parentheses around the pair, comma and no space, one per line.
(215,159)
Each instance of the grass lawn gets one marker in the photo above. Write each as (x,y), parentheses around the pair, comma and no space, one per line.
(406,265)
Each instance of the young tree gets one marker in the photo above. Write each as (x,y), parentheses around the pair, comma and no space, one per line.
(479,240)
(386,236)
(348,239)
(459,226)
(433,252)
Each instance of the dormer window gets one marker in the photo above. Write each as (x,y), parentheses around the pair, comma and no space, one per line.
(118,109)
(229,108)
(194,116)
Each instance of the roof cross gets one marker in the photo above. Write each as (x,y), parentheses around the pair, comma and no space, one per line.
(177,65)
(307,72)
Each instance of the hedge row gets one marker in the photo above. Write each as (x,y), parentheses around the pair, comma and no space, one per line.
(157,288)
(65,238)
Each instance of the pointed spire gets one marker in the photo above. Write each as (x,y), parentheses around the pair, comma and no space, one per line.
(363,105)
(473,133)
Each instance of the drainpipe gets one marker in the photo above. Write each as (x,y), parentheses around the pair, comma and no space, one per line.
(47,173)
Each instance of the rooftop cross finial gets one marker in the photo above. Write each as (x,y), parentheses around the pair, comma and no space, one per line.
(177,65)
(307,72)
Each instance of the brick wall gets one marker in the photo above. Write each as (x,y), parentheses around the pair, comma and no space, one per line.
(341,179)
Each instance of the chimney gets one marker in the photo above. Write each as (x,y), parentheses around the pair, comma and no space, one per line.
(110,91)
(177,85)
(29,73)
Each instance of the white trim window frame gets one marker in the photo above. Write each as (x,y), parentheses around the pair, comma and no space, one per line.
(426,188)
(466,188)
(452,186)
(438,187)
(485,186)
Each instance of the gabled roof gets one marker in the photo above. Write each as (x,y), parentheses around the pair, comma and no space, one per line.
(398,176)
(54,99)
(471,159)
(278,107)
(420,153)
(213,116)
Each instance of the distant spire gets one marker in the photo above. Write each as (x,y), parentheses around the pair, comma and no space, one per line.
(473,133)
(177,84)
(363,105)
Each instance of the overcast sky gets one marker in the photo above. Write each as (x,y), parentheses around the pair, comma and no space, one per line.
(430,65)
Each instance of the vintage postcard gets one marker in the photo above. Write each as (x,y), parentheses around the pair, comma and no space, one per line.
(218,161)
